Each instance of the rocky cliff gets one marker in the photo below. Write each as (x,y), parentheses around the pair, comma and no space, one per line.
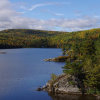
(62,84)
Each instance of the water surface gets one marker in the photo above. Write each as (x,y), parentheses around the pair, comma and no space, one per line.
(22,71)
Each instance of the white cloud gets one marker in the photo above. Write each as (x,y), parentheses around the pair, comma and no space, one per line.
(63,24)
(58,14)
(38,5)
(52,13)
(45,4)
(11,19)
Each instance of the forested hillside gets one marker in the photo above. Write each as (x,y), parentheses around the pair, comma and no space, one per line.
(83,49)
(24,38)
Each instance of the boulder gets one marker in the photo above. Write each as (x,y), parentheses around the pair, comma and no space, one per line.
(63,84)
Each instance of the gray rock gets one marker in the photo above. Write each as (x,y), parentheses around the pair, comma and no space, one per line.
(63,84)
(98,97)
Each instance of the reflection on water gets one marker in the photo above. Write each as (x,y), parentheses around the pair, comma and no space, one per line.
(71,97)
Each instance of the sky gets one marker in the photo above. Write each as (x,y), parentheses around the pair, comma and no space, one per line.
(57,15)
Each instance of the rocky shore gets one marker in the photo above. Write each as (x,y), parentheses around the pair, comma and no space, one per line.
(62,84)
(58,59)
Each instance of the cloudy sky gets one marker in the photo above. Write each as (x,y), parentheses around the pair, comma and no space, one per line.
(60,15)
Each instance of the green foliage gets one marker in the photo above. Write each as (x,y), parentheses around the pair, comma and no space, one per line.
(61,58)
(53,77)
(23,38)
(93,91)
(84,62)
(72,83)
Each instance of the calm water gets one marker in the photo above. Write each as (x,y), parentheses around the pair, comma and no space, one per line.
(22,71)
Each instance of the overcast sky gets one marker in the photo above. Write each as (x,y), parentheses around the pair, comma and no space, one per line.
(60,15)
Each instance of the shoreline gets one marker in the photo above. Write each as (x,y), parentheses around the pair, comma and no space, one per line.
(57,59)
(62,85)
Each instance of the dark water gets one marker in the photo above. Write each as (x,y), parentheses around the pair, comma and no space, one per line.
(22,71)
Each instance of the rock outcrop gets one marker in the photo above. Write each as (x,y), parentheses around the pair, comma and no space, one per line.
(62,84)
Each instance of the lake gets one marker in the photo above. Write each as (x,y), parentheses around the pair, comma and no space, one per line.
(22,71)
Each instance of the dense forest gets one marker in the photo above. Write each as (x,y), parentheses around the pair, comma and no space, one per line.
(24,38)
(82,47)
